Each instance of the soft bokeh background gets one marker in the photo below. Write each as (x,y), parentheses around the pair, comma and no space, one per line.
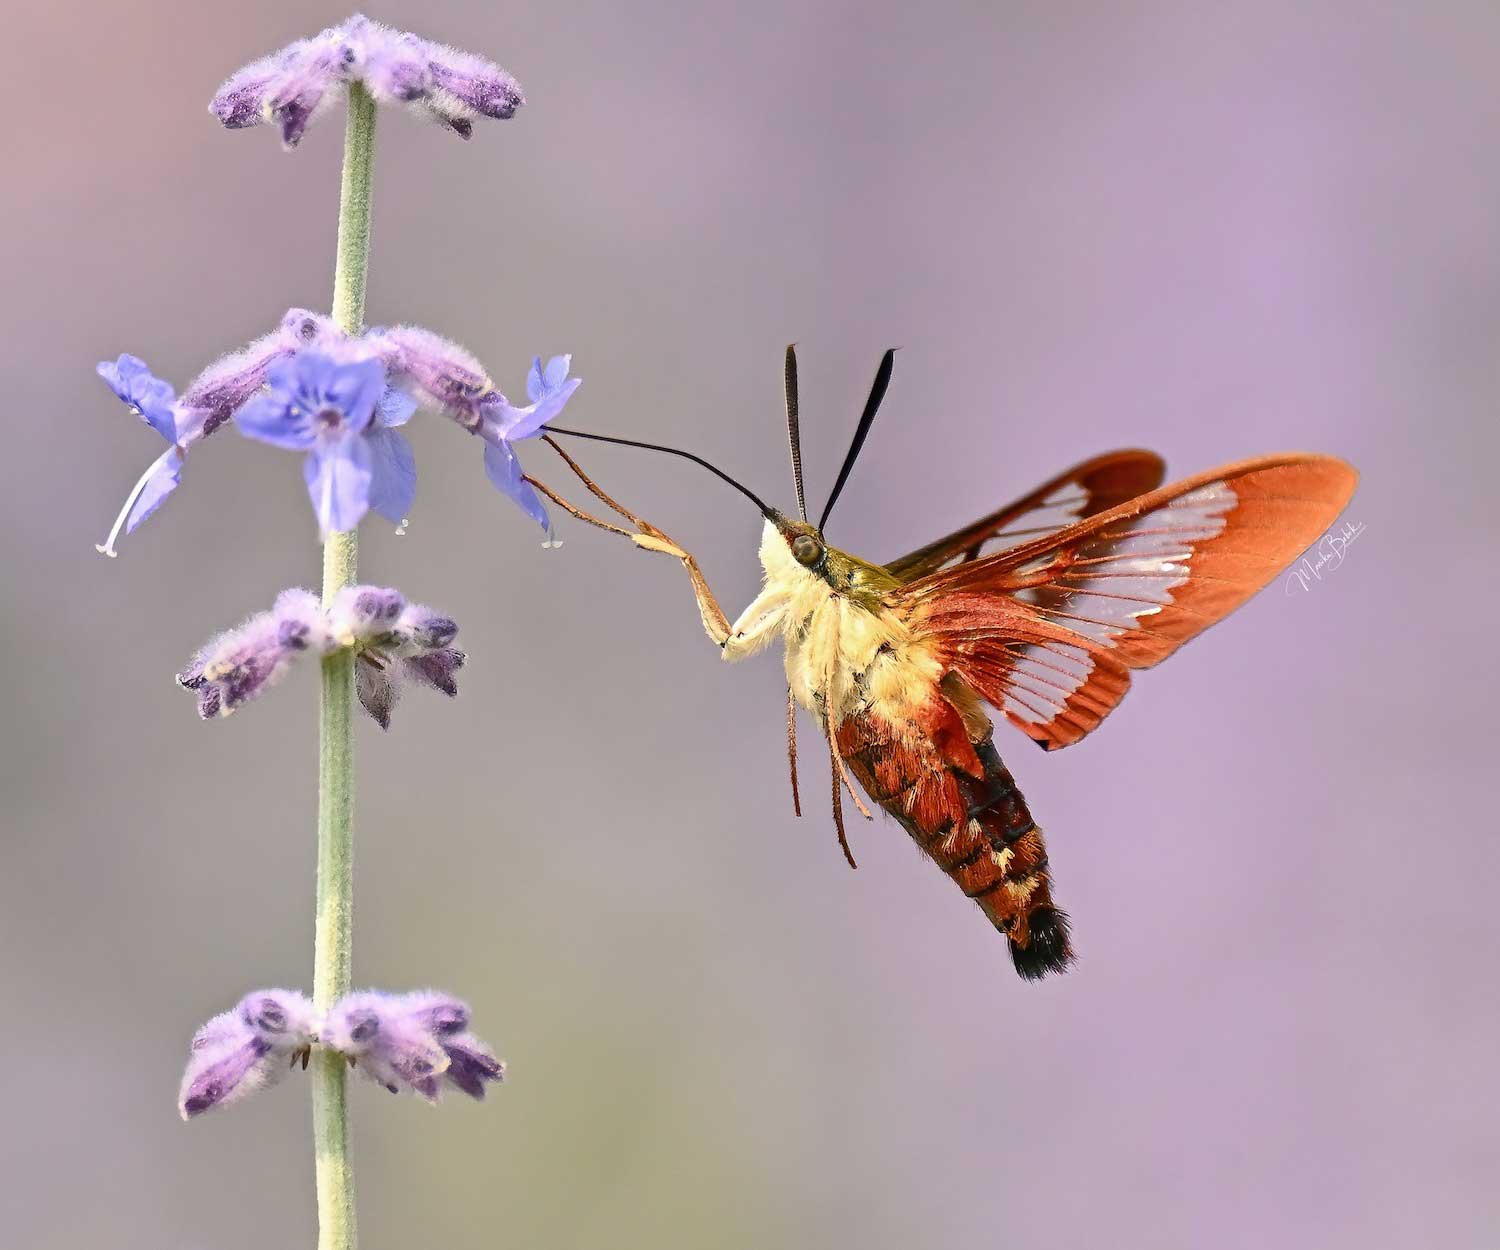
(1213,230)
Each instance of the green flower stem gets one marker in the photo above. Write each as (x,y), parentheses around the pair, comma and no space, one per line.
(333,943)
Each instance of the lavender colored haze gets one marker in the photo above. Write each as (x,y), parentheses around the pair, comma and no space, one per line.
(1213,230)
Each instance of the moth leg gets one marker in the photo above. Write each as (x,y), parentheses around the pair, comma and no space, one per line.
(838,803)
(648,537)
(791,746)
(574,511)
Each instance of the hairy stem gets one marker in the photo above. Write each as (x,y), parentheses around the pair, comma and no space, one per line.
(333,943)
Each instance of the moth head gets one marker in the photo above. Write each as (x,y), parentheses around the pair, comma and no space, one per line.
(792,549)
(794,553)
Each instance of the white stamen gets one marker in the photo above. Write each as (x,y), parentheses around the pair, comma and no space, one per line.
(401,529)
(107,547)
(552,542)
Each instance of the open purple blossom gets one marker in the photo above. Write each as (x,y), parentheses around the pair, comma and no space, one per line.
(217,393)
(209,400)
(441,373)
(151,399)
(294,86)
(414,1041)
(501,425)
(246,1049)
(342,416)
(394,642)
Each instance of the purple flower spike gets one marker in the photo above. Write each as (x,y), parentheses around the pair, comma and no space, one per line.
(327,409)
(247,1049)
(294,86)
(411,1041)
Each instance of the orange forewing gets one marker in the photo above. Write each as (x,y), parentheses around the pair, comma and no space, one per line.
(1085,489)
(1048,629)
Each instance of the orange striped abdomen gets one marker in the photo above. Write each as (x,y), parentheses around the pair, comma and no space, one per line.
(965,812)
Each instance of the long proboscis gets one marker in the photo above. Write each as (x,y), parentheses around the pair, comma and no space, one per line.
(861,431)
(765,509)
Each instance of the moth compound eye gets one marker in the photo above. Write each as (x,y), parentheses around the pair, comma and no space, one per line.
(806,550)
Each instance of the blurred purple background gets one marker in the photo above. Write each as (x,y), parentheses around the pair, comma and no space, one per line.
(1215,233)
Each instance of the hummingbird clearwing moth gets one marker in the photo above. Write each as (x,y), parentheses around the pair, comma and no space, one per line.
(1038,612)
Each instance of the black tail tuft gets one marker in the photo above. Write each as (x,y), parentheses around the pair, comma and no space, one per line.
(1048,949)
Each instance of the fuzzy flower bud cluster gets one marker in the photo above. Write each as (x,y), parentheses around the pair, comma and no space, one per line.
(302,81)
(418,1041)
(393,641)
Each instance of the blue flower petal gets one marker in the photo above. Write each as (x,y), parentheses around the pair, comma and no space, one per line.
(270,418)
(557,371)
(303,376)
(395,408)
(540,381)
(338,475)
(166,475)
(393,485)
(354,389)
(150,396)
(121,375)
(518,423)
(504,472)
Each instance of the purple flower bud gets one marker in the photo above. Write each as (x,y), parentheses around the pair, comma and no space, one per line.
(364,613)
(244,662)
(440,372)
(411,1041)
(384,1041)
(396,69)
(425,629)
(283,1019)
(436,669)
(241,1051)
(306,85)
(470,1064)
(475,83)
(437,1012)
(241,101)
(300,623)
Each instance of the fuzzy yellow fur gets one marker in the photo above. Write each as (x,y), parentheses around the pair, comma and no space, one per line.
(845,651)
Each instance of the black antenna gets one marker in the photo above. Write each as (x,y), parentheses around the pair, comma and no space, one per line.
(671,451)
(793,430)
(861,431)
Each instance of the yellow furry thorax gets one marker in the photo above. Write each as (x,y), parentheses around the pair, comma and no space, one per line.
(847,649)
